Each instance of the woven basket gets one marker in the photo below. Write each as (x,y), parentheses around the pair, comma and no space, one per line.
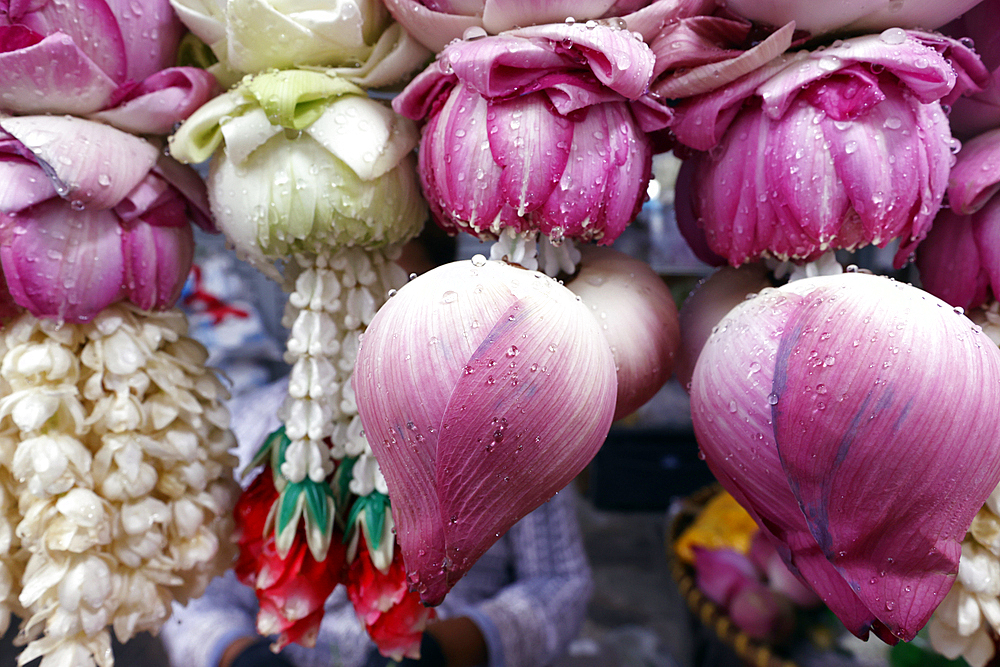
(710,614)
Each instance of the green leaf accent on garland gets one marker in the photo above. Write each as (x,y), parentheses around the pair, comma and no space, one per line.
(277,437)
(370,510)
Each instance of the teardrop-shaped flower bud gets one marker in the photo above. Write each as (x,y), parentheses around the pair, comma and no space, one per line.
(638,316)
(854,417)
(483,390)
(707,304)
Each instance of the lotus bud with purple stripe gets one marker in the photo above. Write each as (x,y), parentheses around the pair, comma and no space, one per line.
(483,389)
(835,148)
(850,16)
(436,23)
(959,260)
(537,130)
(854,418)
(638,316)
(979,112)
(93,216)
(114,63)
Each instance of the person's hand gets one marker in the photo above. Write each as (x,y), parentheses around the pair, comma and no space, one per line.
(431,655)
(252,652)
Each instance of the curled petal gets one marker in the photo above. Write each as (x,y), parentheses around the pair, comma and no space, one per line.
(161,101)
(458,381)
(638,317)
(88,163)
(157,262)
(975,178)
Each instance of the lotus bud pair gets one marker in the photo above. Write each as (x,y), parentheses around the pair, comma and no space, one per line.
(839,147)
(93,216)
(853,416)
(115,64)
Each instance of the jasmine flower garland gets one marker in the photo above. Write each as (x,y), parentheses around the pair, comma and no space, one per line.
(114,441)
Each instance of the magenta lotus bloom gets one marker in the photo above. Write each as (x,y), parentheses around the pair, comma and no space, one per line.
(835,148)
(979,112)
(92,215)
(114,63)
(854,417)
(468,383)
(959,261)
(563,110)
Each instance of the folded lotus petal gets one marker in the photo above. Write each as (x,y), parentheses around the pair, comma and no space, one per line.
(87,162)
(850,17)
(160,101)
(949,261)
(20,185)
(198,137)
(91,25)
(531,146)
(620,62)
(367,135)
(460,410)
(60,271)
(205,18)
(706,66)
(978,112)
(31,85)
(157,262)
(461,194)
(975,178)
(638,317)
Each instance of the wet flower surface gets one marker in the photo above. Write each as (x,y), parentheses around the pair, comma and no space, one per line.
(842,412)
(468,386)
(839,147)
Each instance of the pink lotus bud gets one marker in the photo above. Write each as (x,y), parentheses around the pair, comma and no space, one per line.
(959,261)
(762,613)
(483,390)
(853,417)
(721,573)
(564,110)
(638,316)
(836,148)
(702,310)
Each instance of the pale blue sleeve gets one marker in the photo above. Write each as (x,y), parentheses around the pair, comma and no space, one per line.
(531,621)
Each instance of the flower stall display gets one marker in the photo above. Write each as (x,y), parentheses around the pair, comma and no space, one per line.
(853,417)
